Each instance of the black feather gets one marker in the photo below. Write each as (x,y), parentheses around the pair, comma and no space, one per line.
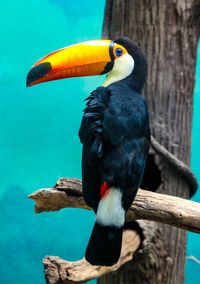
(104,245)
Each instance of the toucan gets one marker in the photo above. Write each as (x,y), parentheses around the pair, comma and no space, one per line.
(114,131)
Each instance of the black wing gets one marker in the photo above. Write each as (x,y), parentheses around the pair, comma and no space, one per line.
(91,135)
(115,136)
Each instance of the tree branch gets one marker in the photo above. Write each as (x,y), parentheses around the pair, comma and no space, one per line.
(175,211)
(60,271)
(147,205)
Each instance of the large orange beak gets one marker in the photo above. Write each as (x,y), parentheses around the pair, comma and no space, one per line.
(88,58)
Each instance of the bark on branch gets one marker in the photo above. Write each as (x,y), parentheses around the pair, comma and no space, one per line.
(178,212)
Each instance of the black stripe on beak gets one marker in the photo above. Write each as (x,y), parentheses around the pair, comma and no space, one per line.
(111,50)
(110,64)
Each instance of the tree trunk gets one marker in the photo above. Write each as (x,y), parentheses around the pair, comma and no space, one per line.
(168,33)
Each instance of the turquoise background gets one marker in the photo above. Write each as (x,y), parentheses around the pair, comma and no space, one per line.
(38,136)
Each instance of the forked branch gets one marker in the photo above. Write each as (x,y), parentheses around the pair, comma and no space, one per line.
(147,205)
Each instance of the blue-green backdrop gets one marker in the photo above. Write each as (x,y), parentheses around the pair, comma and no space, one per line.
(38,136)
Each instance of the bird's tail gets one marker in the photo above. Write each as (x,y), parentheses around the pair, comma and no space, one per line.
(104,246)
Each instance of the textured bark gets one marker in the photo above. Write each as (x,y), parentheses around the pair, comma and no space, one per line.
(168,32)
(147,205)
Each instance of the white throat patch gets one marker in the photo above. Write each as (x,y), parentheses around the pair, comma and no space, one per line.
(110,211)
(123,67)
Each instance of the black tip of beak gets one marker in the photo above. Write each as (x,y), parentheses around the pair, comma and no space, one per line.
(38,72)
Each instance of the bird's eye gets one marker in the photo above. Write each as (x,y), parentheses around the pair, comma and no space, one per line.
(118,52)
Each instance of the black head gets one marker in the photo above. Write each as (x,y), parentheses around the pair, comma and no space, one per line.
(139,75)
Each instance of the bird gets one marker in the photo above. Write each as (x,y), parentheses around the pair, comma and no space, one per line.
(114,131)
